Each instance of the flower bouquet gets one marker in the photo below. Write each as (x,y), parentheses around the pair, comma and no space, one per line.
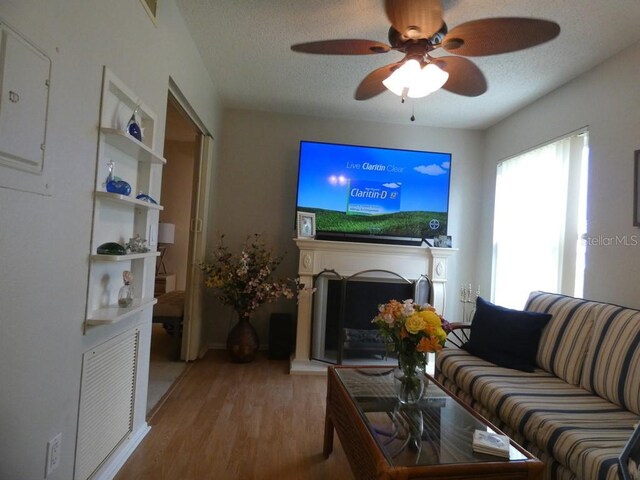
(411,330)
(244,281)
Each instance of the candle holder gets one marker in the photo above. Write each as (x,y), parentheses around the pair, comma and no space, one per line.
(468,300)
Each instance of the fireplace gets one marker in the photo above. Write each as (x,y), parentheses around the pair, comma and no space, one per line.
(342,310)
(345,281)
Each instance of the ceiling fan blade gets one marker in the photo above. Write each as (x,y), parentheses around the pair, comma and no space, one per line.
(490,36)
(415,18)
(342,47)
(372,85)
(465,78)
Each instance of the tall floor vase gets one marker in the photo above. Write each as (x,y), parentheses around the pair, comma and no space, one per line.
(243,341)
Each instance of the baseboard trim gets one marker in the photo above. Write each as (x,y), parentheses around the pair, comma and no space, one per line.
(116,461)
(307,367)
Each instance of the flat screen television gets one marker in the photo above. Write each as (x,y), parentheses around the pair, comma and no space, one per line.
(373,194)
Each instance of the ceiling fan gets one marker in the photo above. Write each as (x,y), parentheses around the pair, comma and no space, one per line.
(417,29)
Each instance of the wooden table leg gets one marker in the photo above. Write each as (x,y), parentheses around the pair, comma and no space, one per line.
(328,436)
(328,423)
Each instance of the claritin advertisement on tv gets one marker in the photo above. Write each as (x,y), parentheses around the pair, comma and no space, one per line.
(371,191)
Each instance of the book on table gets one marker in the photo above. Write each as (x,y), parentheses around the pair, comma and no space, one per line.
(491,443)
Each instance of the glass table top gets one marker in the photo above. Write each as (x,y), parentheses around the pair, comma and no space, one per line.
(436,431)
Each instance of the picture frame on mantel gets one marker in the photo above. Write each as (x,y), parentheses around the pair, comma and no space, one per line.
(442,241)
(636,189)
(306,225)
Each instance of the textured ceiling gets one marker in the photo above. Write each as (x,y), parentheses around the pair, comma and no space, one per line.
(245,46)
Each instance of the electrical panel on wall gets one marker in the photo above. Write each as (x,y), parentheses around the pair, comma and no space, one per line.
(25,72)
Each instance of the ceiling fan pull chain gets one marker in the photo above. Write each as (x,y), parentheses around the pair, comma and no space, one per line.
(413,112)
(405,91)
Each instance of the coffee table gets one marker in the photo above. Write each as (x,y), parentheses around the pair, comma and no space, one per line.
(385,440)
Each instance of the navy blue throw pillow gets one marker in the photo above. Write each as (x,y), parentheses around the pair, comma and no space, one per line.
(508,338)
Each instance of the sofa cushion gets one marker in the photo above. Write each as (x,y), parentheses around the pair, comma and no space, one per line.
(582,432)
(479,382)
(552,469)
(509,338)
(564,341)
(612,367)
(586,443)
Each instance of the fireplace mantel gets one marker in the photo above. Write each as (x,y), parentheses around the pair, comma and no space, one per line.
(349,258)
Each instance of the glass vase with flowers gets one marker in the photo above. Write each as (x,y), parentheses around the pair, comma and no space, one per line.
(412,330)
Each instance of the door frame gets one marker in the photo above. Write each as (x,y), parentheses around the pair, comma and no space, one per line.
(193,346)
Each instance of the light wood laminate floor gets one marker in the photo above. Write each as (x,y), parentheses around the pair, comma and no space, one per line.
(227,421)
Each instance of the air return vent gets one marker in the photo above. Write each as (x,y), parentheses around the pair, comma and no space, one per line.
(106,401)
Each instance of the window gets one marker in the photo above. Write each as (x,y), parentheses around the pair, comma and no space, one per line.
(539,221)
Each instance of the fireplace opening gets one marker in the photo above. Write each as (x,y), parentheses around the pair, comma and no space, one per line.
(343,309)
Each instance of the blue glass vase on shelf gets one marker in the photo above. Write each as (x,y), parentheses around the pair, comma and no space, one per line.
(115,184)
(133,127)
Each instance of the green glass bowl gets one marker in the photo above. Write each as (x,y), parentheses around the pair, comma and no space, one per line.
(111,248)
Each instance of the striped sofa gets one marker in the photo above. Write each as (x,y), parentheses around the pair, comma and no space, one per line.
(577,410)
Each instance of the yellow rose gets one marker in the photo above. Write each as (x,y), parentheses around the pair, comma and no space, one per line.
(431,318)
(415,323)
(433,325)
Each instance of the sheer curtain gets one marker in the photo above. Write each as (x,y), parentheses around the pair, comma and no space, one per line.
(532,220)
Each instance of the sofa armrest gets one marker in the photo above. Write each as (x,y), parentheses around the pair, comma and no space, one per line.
(459,334)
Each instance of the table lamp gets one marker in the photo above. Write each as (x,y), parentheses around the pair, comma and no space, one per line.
(166,237)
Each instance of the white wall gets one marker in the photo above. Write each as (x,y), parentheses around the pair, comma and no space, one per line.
(45,242)
(256,189)
(607,100)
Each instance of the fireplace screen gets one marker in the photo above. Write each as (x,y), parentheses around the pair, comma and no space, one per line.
(343,308)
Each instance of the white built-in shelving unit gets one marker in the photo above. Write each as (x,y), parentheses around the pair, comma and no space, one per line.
(117,218)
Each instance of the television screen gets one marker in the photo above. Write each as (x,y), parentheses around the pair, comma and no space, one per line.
(374,194)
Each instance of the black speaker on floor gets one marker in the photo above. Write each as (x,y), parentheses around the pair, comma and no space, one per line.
(280,336)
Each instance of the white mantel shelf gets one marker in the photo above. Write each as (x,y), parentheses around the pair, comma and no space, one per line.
(366,256)
(349,258)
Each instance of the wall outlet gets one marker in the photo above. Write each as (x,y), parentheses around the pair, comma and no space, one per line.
(53,454)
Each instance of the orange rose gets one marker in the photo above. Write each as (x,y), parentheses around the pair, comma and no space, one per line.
(428,345)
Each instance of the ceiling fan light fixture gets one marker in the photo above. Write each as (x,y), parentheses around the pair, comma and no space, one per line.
(430,79)
(417,29)
(412,81)
(402,78)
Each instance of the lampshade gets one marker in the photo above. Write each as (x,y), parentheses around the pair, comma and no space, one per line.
(412,81)
(402,78)
(166,233)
